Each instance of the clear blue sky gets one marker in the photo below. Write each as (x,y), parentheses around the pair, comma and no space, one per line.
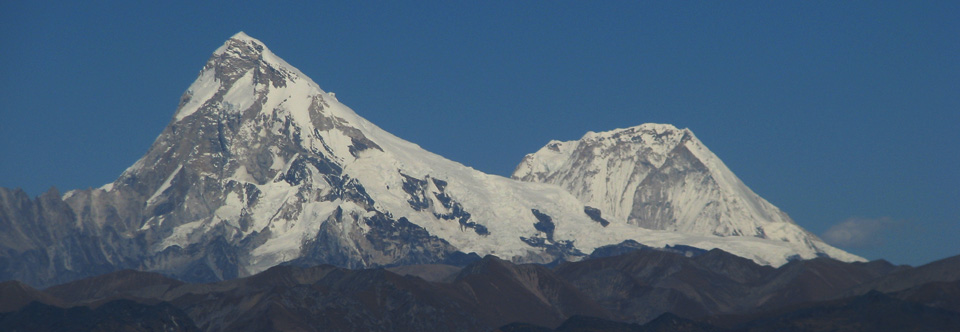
(843,114)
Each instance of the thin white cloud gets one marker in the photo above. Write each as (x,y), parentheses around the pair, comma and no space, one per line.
(859,232)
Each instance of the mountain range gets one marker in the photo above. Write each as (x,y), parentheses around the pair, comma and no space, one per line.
(644,289)
(260,167)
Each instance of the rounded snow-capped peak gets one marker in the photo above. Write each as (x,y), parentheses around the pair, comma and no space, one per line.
(653,139)
(657,176)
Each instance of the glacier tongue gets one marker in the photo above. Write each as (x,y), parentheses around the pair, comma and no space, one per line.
(260,166)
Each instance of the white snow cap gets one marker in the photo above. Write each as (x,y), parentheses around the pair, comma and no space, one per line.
(244,37)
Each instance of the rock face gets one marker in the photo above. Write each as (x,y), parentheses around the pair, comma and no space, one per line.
(656,176)
(259,167)
(44,241)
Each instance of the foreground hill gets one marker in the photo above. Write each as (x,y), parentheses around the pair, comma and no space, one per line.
(642,290)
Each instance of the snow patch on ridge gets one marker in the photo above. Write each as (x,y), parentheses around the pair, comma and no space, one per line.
(164,186)
(199,92)
(242,94)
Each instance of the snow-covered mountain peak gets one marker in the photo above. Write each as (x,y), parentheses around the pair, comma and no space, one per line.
(629,132)
(603,169)
(648,143)
(243,36)
(658,138)
(239,73)
(245,117)
(242,45)
(657,176)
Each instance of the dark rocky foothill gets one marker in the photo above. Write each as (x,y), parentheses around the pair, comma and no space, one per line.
(643,290)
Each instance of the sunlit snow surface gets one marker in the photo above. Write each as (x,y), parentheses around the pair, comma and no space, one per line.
(625,173)
(500,204)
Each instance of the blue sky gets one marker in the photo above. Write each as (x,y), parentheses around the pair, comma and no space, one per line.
(846,115)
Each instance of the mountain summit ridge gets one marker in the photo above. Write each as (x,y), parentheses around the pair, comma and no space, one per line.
(259,166)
